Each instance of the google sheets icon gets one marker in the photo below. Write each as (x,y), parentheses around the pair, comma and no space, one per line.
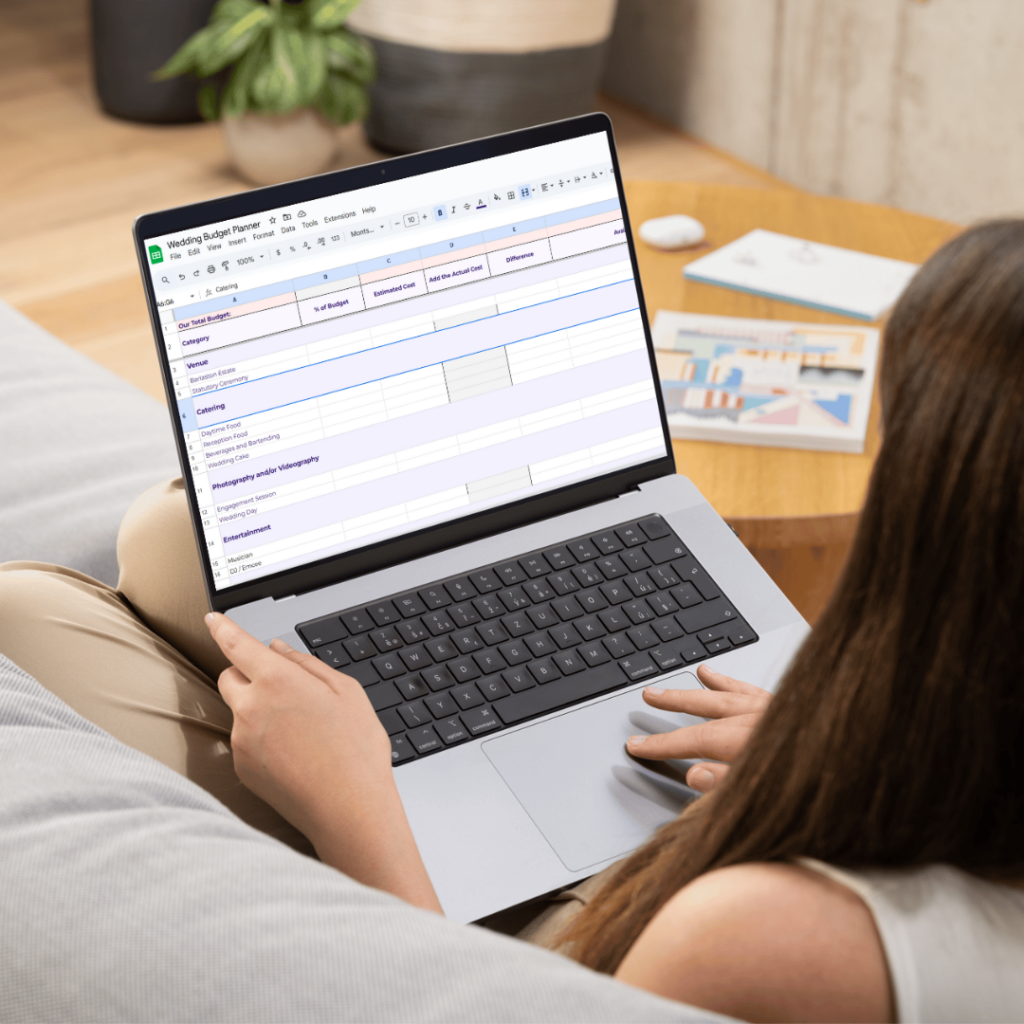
(156,254)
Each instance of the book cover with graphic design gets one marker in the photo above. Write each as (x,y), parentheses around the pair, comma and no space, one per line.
(766,382)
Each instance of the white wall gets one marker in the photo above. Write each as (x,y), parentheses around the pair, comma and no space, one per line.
(918,105)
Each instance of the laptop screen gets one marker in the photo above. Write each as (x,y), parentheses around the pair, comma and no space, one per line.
(382,360)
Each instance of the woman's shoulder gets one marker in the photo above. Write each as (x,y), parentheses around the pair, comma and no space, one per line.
(766,942)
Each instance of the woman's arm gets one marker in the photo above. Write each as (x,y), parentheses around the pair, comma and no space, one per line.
(307,741)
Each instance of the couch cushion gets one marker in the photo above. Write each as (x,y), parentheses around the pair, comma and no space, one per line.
(77,446)
(131,894)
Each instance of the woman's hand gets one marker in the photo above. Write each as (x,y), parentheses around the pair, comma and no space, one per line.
(735,709)
(306,740)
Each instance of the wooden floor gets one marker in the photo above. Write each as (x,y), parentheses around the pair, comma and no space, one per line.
(72,180)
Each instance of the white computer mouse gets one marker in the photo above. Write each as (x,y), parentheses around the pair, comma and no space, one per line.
(674,232)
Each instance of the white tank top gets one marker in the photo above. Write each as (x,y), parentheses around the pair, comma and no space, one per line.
(954,943)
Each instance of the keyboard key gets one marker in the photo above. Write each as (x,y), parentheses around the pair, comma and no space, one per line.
(460,589)
(464,670)
(410,604)
(435,597)
(705,636)
(565,636)
(662,604)
(718,645)
(383,695)
(592,601)
(607,543)
(686,595)
(518,679)
(711,613)
(415,714)
(663,576)
(688,569)
(611,567)
(664,550)
(451,730)
(467,696)
(559,558)
(640,584)
(654,527)
(691,650)
(544,671)
(559,693)
(583,550)
(517,624)
(635,560)
(642,637)
(569,662)
(534,565)
(667,629)
(594,654)
(463,614)
(618,646)
(389,666)
(640,666)
(359,647)
(740,633)
(541,644)
(567,608)
(493,688)
(514,598)
(614,619)
(442,649)
(492,633)
(415,658)
(323,631)
(563,582)
(412,631)
(538,590)
(485,581)
(666,658)
(510,573)
(631,536)
(515,652)
(438,678)
(411,687)
(490,660)
(333,655)
(638,611)
(587,575)
(401,749)
(363,673)
(383,613)
(386,639)
(542,615)
(441,705)
(438,623)
(358,621)
(489,606)
(424,740)
(616,592)
(391,721)
(480,720)
(467,641)
(590,628)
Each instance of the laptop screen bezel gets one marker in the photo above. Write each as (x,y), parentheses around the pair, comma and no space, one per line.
(415,544)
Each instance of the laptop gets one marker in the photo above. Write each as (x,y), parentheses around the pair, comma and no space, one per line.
(419,420)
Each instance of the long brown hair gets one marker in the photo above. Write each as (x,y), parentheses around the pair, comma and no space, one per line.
(895,738)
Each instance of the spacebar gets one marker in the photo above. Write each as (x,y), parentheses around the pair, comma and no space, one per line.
(559,693)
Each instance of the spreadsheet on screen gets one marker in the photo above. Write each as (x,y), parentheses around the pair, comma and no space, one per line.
(387,359)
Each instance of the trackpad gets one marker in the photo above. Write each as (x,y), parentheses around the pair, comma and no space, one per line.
(589,798)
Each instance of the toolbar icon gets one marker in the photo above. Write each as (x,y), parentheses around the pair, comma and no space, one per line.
(441,212)
(524,192)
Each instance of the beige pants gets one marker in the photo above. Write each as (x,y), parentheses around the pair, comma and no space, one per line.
(138,662)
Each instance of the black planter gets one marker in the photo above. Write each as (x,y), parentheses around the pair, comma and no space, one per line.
(130,40)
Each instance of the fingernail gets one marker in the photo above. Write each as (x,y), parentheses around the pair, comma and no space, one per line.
(283,645)
(701,780)
(656,690)
(635,741)
(209,619)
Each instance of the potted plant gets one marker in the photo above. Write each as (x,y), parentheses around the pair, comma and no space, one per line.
(296,72)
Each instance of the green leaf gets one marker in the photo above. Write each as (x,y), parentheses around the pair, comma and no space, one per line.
(236,98)
(187,57)
(207,102)
(230,39)
(277,85)
(351,54)
(232,10)
(325,15)
(342,100)
(315,66)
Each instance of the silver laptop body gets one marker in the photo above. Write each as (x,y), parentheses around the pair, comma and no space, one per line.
(390,382)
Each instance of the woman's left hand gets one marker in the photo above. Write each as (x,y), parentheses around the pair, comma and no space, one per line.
(306,739)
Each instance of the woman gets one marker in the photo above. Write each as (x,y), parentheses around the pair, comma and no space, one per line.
(862,859)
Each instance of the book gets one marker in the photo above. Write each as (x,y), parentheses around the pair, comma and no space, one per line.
(766,382)
(853,284)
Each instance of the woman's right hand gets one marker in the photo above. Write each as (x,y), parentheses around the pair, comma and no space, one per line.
(734,708)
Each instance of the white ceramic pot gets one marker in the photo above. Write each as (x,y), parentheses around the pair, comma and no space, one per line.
(268,148)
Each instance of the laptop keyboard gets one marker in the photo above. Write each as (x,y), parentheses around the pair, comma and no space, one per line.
(475,653)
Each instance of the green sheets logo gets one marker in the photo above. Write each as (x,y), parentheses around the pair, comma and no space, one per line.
(156,254)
